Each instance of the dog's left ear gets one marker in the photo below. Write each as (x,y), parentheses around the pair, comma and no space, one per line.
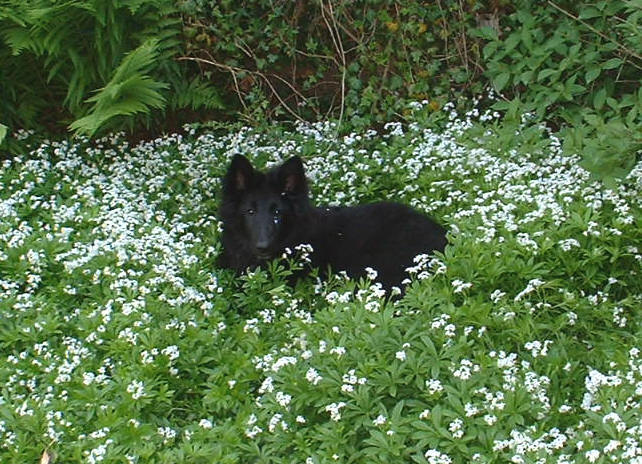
(239,175)
(292,176)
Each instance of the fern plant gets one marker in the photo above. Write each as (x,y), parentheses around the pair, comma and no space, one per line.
(56,54)
(129,91)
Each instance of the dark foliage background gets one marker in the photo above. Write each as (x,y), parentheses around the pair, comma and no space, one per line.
(92,66)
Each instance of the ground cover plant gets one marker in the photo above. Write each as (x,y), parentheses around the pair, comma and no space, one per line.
(122,342)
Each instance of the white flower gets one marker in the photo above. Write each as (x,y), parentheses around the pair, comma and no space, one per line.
(490,419)
(313,376)
(284,361)
(345,388)
(471,409)
(136,389)
(371,273)
(460,285)
(167,433)
(283,399)
(339,351)
(497,295)
(205,423)
(274,421)
(253,432)
(456,427)
(567,244)
(538,348)
(466,369)
(334,410)
(532,286)
(435,457)
(267,386)
(434,386)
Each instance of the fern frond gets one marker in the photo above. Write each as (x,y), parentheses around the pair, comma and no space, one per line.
(18,39)
(196,94)
(130,91)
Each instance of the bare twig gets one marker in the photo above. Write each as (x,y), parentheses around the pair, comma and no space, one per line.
(336,40)
(231,69)
(294,89)
(384,75)
(276,94)
(250,53)
(234,69)
(442,23)
(313,55)
(238,92)
(463,52)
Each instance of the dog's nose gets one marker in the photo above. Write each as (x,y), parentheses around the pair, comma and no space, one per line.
(262,247)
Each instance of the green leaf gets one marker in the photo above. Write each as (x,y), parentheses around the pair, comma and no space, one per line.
(592,74)
(599,98)
(527,38)
(3,132)
(18,39)
(486,33)
(593,120)
(576,89)
(612,63)
(545,73)
(490,49)
(574,50)
(589,12)
(511,42)
(526,77)
(613,103)
(499,81)
(632,115)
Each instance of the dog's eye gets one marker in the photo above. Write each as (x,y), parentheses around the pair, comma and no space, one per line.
(276,216)
(250,211)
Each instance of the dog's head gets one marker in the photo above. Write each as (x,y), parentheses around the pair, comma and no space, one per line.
(265,206)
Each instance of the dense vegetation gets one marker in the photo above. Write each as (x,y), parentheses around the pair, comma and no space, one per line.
(517,125)
(122,342)
(93,66)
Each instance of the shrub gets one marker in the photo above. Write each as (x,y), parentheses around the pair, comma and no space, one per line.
(575,64)
(360,61)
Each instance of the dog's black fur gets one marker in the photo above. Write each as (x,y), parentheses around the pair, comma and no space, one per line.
(264,213)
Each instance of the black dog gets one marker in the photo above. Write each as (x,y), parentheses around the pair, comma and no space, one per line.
(264,213)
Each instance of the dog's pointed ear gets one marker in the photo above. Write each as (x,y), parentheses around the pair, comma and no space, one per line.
(292,176)
(239,175)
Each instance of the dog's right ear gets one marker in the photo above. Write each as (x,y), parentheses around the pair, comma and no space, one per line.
(239,175)
(292,176)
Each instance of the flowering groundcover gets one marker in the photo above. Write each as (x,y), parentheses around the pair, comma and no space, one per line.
(121,342)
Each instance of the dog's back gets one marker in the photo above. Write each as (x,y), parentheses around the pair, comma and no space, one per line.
(383,236)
